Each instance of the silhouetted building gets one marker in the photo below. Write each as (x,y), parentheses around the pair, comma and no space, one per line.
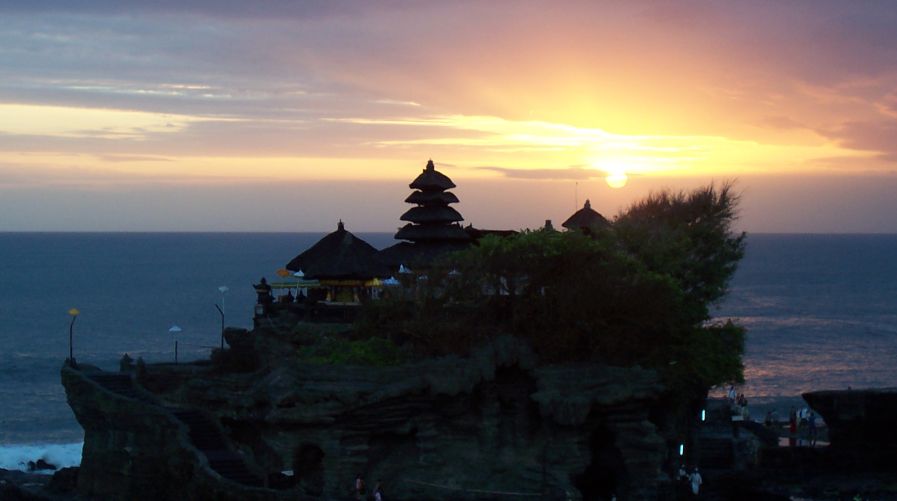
(433,227)
(345,266)
(431,219)
(339,256)
(586,220)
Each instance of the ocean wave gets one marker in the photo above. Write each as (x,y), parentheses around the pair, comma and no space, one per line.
(16,456)
(834,325)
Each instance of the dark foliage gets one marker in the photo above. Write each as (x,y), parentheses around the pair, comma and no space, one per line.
(636,292)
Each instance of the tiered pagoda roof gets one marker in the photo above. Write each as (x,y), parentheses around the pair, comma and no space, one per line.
(431,220)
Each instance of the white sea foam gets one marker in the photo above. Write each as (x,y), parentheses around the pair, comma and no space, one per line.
(16,456)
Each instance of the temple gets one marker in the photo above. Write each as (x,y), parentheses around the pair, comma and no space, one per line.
(342,271)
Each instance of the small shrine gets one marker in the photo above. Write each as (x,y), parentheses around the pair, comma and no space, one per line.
(344,266)
(586,220)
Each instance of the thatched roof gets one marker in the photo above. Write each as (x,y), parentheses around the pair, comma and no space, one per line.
(431,180)
(432,198)
(585,218)
(424,232)
(432,214)
(339,255)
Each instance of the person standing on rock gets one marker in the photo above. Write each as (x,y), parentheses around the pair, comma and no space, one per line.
(792,427)
(359,487)
(811,428)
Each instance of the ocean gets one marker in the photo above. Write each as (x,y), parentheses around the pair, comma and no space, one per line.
(821,312)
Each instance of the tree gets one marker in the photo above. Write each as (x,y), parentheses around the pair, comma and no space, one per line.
(689,237)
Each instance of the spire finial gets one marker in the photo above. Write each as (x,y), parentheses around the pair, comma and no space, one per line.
(340,226)
(430,165)
(588,204)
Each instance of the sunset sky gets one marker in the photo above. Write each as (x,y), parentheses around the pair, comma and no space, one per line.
(282,115)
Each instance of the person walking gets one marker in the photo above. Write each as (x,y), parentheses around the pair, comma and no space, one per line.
(696,481)
(378,491)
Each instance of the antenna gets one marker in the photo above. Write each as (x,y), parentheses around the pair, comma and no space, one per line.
(576,196)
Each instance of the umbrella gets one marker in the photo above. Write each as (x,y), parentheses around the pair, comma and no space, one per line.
(174,329)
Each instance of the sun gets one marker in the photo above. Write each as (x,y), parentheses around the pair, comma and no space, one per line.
(616,177)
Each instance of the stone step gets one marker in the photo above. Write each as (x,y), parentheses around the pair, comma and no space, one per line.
(206,437)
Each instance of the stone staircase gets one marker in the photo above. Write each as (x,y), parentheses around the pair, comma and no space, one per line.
(202,431)
(206,437)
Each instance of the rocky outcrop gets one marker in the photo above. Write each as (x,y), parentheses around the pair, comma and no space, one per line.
(492,426)
(860,424)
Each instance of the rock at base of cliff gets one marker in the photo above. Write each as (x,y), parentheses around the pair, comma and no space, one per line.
(64,481)
(20,486)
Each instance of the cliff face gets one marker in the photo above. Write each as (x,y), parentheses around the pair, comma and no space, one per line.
(492,426)
(135,448)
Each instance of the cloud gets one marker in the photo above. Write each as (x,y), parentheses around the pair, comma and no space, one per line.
(888,105)
(611,85)
(71,122)
(133,158)
(560,174)
(209,8)
(781,122)
(396,102)
(878,136)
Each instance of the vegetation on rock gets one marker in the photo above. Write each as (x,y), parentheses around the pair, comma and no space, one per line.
(636,293)
(374,351)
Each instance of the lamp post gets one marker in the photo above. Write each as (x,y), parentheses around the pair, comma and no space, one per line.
(74,314)
(174,329)
(222,289)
